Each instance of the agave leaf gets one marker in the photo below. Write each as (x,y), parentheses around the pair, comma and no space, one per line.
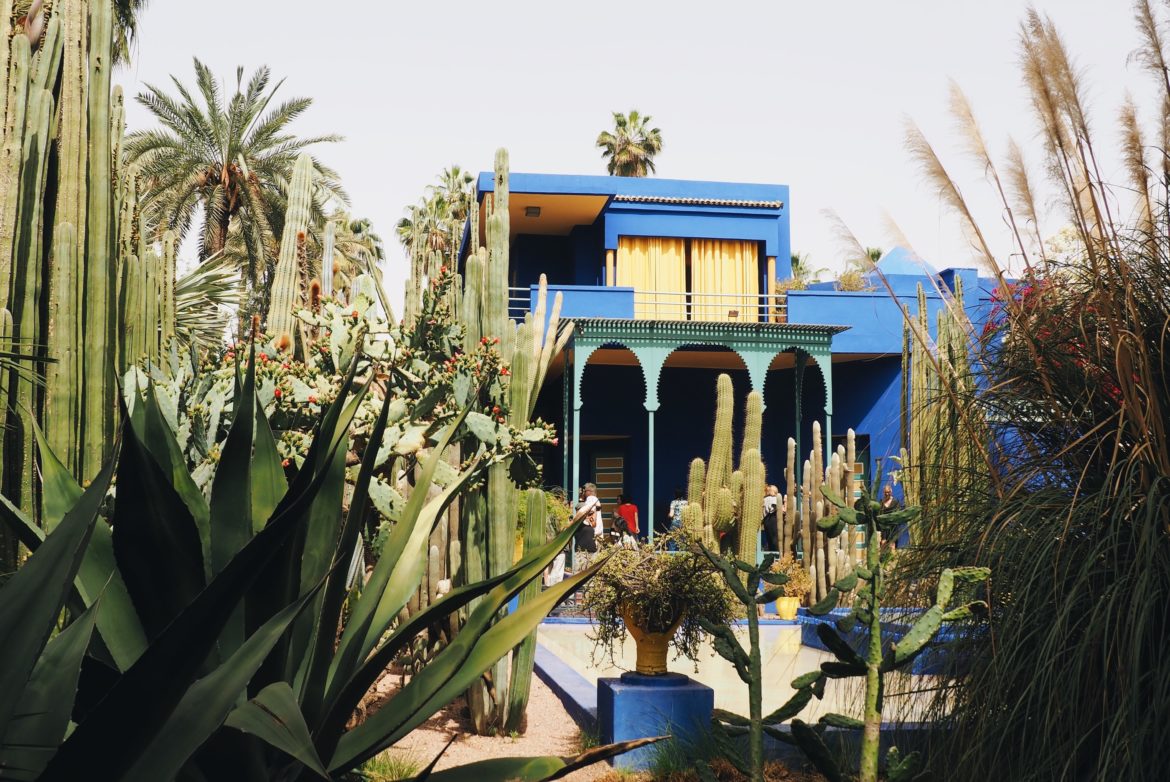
(268,481)
(58,486)
(32,598)
(280,582)
(231,489)
(130,715)
(150,553)
(275,717)
(535,769)
(344,695)
(42,717)
(160,442)
(401,564)
(207,703)
(320,652)
(117,622)
(454,669)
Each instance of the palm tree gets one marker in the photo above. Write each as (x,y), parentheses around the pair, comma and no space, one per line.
(802,271)
(436,222)
(630,149)
(228,161)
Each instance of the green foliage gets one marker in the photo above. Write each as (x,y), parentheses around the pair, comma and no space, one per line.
(877,660)
(744,581)
(660,589)
(796,580)
(391,766)
(232,620)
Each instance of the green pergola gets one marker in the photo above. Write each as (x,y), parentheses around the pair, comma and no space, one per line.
(652,341)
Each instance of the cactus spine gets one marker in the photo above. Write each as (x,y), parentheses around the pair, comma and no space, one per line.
(285,287)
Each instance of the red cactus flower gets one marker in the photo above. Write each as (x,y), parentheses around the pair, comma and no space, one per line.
(312,399)
(277,393)
(284,463)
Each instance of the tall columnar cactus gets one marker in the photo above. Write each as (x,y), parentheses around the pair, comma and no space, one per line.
(99,397)
(488,516)
(63,297)
(286,293)
(167,290)
(535,534)
(805,508)
(722,500)
(938,468)
(327,251)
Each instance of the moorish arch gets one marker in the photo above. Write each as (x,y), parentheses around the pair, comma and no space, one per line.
(651,342)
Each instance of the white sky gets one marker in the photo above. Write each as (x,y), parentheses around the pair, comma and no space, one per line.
(808,94)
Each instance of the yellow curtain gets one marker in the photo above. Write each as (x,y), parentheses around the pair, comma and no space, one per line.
(655,267)
(725,280)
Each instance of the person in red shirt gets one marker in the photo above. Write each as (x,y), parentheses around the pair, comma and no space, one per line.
(628,511)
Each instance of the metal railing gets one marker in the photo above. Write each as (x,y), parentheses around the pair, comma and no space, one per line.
(685,305)
(730,307)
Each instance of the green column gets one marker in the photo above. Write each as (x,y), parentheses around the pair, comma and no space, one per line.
(649,518)
(566,399)
(651,358)
(825,362)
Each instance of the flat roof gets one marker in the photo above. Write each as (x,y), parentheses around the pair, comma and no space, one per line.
(644,189)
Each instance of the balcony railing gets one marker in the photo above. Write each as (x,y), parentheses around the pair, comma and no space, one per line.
(594,301)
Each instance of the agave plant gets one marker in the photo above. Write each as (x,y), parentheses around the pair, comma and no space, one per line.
(203,634)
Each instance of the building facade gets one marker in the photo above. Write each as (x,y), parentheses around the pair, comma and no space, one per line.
(670,283)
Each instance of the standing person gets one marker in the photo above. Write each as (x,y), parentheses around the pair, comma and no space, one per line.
(889,502)
(675,514)
(585,538)
(628,511)
(771,512)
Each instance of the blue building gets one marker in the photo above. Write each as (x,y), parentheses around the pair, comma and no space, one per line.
(672,282)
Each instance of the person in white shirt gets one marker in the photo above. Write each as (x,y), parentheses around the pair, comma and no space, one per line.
(588,509)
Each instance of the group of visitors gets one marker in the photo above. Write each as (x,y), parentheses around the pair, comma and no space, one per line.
(624,530)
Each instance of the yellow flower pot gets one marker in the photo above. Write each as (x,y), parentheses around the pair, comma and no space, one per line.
(786,607)
(652,647)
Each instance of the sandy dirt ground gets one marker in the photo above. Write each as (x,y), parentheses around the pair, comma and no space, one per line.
(551,732)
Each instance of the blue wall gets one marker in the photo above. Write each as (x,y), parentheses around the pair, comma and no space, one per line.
(868,400)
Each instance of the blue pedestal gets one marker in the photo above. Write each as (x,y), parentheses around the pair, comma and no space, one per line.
(636,706)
